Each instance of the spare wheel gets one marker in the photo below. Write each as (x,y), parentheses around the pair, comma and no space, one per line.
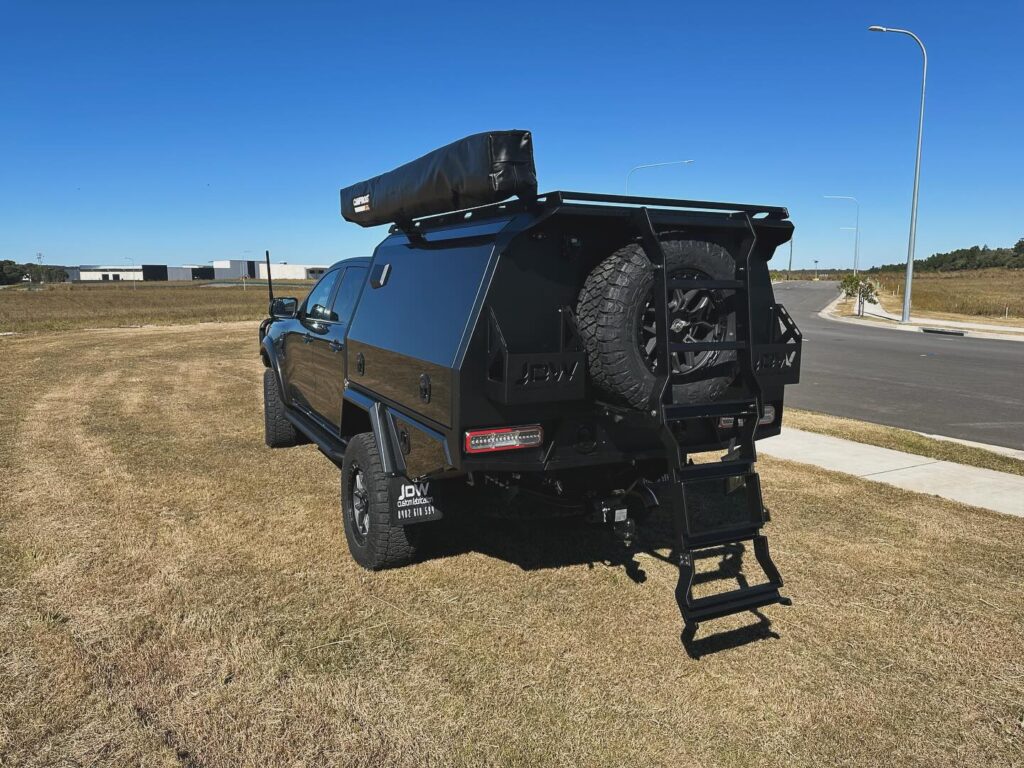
(617,321)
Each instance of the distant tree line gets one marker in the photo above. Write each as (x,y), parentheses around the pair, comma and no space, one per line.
(975,257)
(12,272)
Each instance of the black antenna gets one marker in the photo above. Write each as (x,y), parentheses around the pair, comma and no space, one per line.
(270,285)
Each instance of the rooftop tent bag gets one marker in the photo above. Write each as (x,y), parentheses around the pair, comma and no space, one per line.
(477,170)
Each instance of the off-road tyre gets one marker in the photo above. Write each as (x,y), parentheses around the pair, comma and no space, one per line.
(373,539)
(610,311)
(278,432)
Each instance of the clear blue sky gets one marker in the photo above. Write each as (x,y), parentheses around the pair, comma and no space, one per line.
(174,132)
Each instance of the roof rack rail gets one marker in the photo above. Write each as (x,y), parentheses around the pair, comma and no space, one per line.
(773,211)
(558,198)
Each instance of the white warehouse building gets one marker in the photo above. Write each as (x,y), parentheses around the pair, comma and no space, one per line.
(292,271)
(138,272)
(118,273)
(228,269)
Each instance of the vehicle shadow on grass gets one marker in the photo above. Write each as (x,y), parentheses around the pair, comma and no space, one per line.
(557,542)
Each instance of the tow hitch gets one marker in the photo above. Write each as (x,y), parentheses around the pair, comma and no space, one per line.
(613,511)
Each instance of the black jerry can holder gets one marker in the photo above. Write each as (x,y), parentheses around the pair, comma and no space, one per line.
(533,377)
(778,361)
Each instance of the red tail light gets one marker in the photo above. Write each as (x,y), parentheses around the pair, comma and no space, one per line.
(504,439)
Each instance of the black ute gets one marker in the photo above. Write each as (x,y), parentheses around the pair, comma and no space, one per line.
(565,348)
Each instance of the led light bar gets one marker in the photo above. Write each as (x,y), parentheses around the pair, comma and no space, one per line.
(504,439)
(728,422)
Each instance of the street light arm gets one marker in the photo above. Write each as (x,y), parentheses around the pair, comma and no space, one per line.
(636,168)
(845,197)
(655,165)
(907,32)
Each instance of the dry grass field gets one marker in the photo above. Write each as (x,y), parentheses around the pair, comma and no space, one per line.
(110,305)
(173,593)
(989,293)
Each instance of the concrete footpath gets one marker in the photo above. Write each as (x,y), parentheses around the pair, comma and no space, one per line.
(885,319)
(998,491)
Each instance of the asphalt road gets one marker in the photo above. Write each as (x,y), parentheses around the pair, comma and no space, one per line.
(945,385)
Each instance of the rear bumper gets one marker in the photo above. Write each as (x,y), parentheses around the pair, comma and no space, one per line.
(600,436)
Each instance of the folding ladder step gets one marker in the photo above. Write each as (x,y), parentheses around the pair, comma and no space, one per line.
(717,470)
(728,603)
(721,538)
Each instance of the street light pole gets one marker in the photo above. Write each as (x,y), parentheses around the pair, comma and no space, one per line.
(855,233)
(854,230)
(132,262)
(791,257)
(856,238)
(917,168)
(636,168)
(815,269)
(246,266)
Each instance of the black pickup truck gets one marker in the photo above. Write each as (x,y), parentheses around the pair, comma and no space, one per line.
(569,348)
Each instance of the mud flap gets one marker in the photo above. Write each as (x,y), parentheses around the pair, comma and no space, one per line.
(412,502)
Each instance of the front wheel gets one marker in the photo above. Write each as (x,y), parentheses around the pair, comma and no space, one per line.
(278,432)
(374,539)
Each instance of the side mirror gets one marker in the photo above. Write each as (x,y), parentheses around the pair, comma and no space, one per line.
(286,307)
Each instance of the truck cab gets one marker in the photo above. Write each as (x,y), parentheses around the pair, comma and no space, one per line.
(308,344)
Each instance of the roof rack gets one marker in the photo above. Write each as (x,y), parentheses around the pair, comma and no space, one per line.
(559,198)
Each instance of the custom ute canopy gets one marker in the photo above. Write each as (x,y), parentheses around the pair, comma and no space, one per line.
(477,170)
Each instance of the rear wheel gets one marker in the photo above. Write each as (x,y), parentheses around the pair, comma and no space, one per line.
(374,540)
(618,324)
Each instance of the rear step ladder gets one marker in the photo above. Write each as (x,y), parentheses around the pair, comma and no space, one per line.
(715,507)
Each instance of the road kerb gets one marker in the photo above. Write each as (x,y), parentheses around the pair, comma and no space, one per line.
(974,331)
(985,488)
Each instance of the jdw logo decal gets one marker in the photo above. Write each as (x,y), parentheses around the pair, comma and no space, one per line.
(416,491)
(414,504)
